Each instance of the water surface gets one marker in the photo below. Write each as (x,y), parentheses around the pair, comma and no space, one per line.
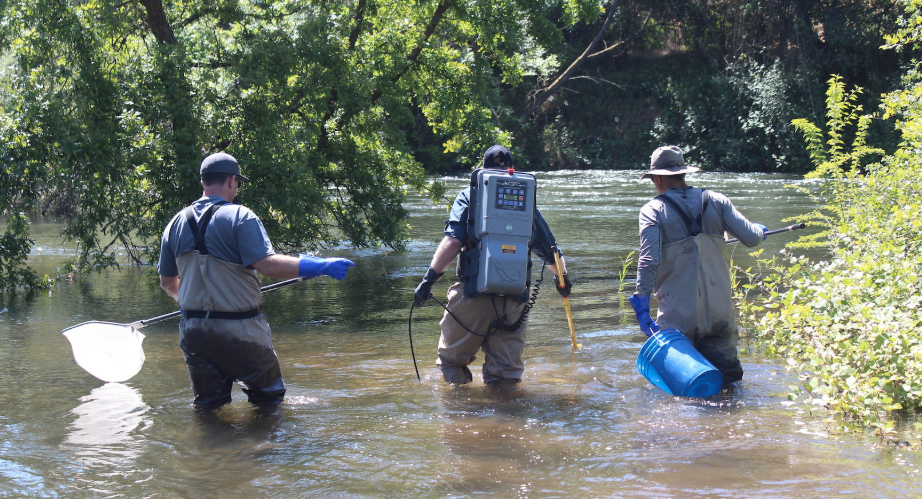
(357,423)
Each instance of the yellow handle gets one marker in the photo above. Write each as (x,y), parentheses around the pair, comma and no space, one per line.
(566,301)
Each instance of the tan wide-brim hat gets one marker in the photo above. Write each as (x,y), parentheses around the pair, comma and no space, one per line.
(668,160)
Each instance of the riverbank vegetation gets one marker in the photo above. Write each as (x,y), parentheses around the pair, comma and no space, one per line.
(849,325)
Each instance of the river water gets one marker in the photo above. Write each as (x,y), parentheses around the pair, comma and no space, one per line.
(357,423)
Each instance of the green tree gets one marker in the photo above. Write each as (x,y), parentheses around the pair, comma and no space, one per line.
(108,108)
(721,78)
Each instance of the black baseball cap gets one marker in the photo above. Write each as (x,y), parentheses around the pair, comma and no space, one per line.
(222,163)
(497,157)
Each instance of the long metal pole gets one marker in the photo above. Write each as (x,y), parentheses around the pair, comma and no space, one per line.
(775,231)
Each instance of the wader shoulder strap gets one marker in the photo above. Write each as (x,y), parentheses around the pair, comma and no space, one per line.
(693,227)
(704,205)
(198,229)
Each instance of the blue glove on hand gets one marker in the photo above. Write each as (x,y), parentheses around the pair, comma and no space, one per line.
(641,305)
(313,266)
(764,230)
(424,290)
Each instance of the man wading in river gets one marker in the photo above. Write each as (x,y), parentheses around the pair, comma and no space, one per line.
(479,320)
(682,262)
(207,260)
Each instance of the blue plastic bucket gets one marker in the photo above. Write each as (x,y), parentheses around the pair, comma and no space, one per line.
(670,361)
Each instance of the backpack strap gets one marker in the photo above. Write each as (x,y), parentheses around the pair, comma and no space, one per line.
(198,228)
(694,227)
(705,201)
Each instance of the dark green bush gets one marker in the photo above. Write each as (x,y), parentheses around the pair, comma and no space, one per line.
(736,120)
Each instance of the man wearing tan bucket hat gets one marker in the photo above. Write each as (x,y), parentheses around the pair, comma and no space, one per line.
(682,263)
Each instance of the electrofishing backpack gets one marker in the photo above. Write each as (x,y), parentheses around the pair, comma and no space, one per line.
(499,226)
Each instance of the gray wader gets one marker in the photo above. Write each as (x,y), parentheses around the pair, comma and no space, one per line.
(693,290)
(222,334)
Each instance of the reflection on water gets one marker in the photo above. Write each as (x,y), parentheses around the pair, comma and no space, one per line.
(357,423)
(110,425)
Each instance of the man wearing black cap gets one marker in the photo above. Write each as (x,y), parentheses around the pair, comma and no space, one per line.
(472,323)
(209,258)
(682,262)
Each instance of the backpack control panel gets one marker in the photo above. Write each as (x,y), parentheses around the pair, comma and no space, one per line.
(501,219)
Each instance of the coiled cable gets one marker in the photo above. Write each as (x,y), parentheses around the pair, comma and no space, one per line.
(501,324)
(495,326)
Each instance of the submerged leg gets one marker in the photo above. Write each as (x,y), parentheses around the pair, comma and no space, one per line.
(212,389)
(457,347)
(720,349)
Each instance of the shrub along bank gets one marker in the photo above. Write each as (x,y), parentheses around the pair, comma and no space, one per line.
(849,325)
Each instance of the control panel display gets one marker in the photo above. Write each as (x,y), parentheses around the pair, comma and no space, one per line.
(510,195)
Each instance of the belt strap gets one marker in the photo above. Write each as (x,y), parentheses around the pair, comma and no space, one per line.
(210,314)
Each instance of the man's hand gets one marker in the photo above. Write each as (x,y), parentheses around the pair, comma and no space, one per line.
(566,288)
(641,305)
(424,290)
(337,267)
(764,230)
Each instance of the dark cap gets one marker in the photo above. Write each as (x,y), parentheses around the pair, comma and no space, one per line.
(221,163)
(497,157)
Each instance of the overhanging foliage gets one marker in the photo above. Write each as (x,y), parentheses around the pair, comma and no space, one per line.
(109,108)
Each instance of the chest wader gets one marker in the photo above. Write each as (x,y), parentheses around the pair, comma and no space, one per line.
(494,271)
(693,290)
(222,334)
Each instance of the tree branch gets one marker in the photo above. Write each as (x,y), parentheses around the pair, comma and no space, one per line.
(623,42)
(414,55)
(359,17)
(542,95)
(333,102)
(159,25)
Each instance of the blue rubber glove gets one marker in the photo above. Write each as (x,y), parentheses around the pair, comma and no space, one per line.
(424,290)
(313,266)
(641,305)
(764,230)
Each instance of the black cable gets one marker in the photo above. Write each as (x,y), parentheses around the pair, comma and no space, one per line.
(461,323)
(410,331)
(498,324)
(495,325)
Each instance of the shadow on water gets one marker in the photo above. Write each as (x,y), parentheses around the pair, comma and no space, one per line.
(356,422)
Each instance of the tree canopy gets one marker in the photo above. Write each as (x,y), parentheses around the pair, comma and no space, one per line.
(109,107)
(336,108)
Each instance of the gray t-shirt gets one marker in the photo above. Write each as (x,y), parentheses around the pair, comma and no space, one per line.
(235,234)
(660,226)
